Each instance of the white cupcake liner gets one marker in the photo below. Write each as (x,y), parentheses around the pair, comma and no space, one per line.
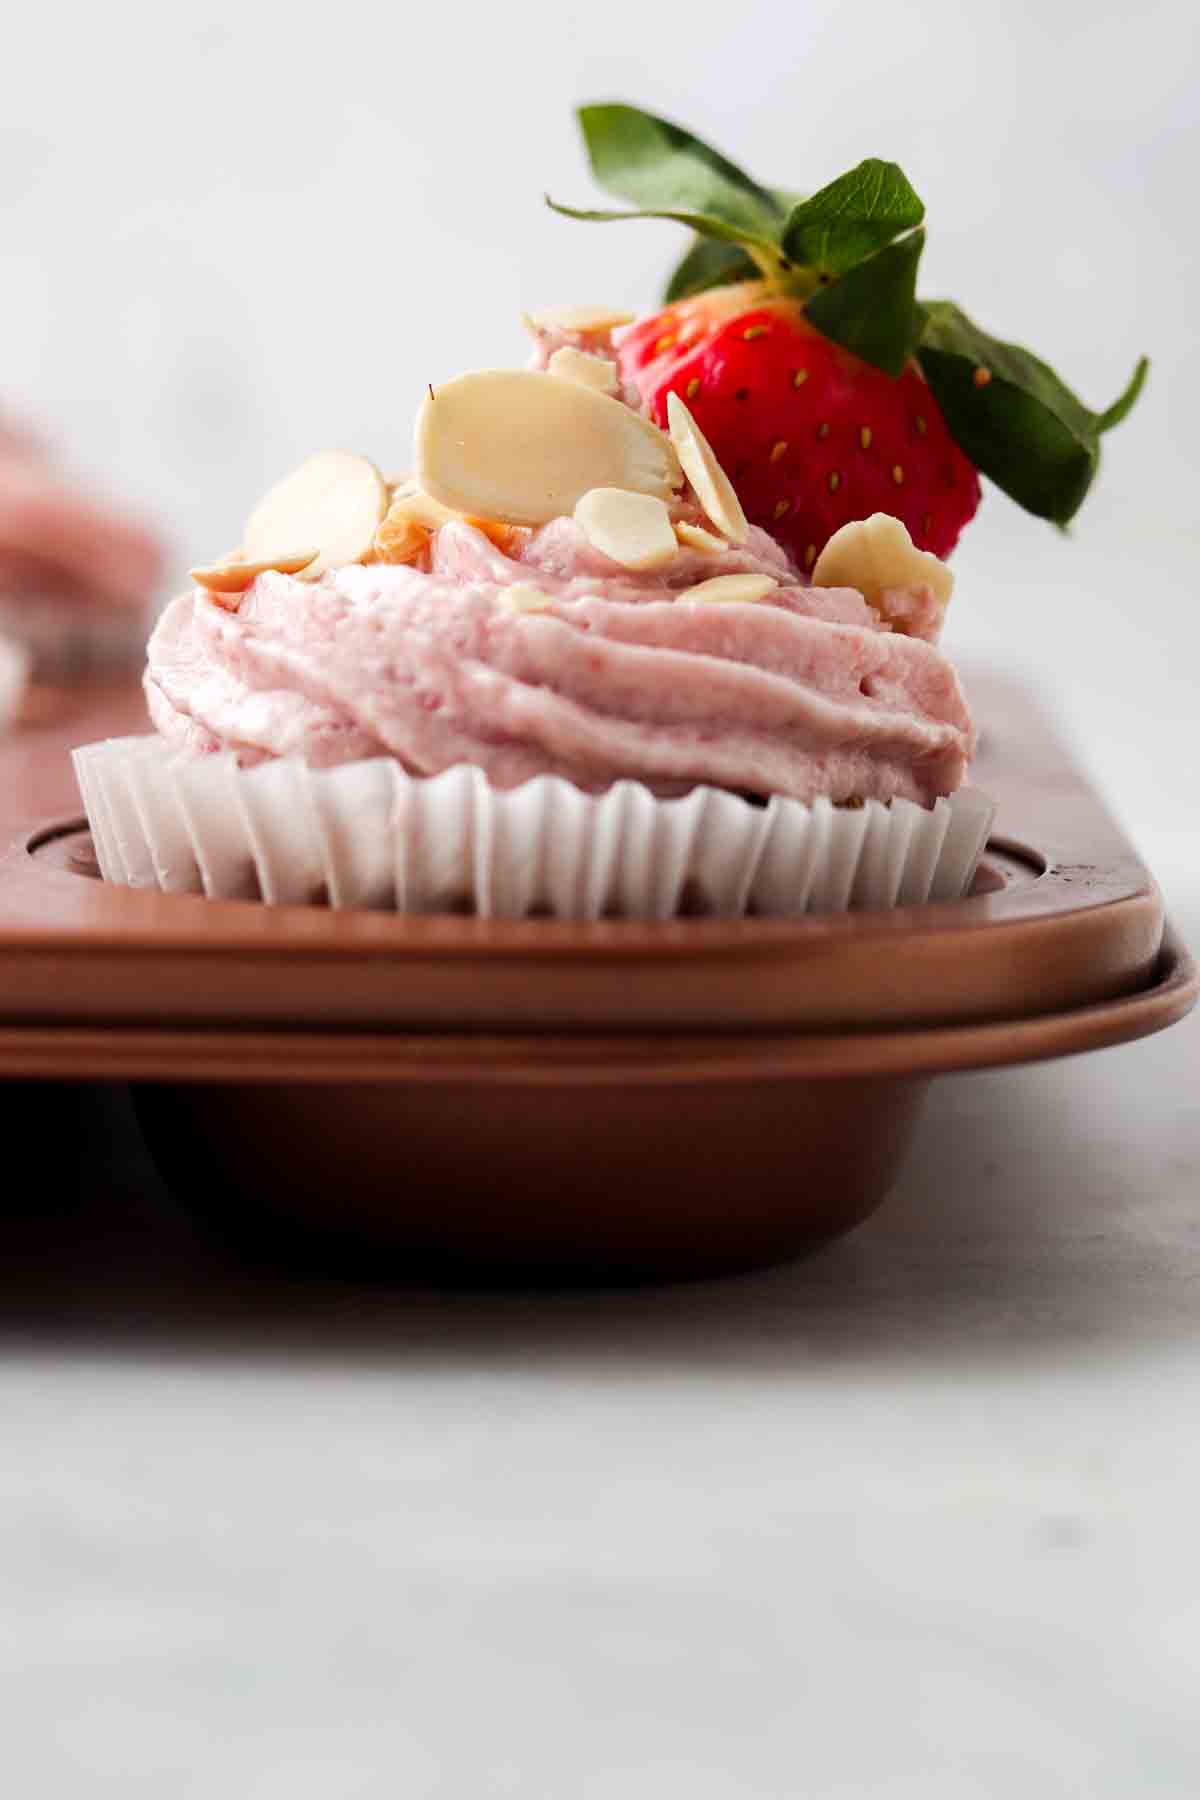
(367,835)
(14,676)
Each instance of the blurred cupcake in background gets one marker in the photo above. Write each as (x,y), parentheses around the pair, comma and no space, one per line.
(77,574)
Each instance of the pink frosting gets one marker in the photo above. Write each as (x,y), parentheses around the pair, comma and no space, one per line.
(804,693)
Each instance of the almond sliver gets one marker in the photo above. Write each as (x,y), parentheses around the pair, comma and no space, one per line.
(582,366)
(508,539)
(415,505)
(877,553)
(525,447)
(634,529)
(580,320)
(732,589)
(234,575)
(696,538)
(413,512)
(334,500)
(710,484)
(400,538)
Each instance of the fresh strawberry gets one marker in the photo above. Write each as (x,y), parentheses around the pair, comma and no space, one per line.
(810,435)
(827,390)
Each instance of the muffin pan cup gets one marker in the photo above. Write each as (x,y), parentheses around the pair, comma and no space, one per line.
(592,1100)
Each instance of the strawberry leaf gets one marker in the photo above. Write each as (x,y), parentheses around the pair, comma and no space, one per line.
(664,170)
(709,264)
(705,225)
(1012,415)
(872,309)
(669,174)
(1124,404)
(852,218)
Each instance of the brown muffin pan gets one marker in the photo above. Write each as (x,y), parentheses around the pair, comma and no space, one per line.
(598,1099)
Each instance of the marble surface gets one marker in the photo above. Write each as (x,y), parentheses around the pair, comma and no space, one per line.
(916,1517)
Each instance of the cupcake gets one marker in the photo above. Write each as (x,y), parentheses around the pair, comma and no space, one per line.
(556,671)
(77,575)
(653,626)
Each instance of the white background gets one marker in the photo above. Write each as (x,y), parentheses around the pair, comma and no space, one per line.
(915,1518)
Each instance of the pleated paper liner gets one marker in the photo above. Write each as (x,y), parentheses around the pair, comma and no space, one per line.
(367,835)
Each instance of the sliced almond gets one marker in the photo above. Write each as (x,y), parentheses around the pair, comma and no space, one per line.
(416,505)
(634,529)
(413,516)
(400,538)
(508,539)
(233,575)
(877,553)
(229,602)
(581,365)
(696,538)
(334,500)
(524,447)
(732,589)
(579,320)
(525,598)
(712,487)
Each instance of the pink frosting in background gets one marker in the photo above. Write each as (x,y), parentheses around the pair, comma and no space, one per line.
(803,693)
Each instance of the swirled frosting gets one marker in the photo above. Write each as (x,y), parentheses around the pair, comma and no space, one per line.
(602,675)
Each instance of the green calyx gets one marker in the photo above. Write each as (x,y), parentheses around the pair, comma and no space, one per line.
(849,254)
